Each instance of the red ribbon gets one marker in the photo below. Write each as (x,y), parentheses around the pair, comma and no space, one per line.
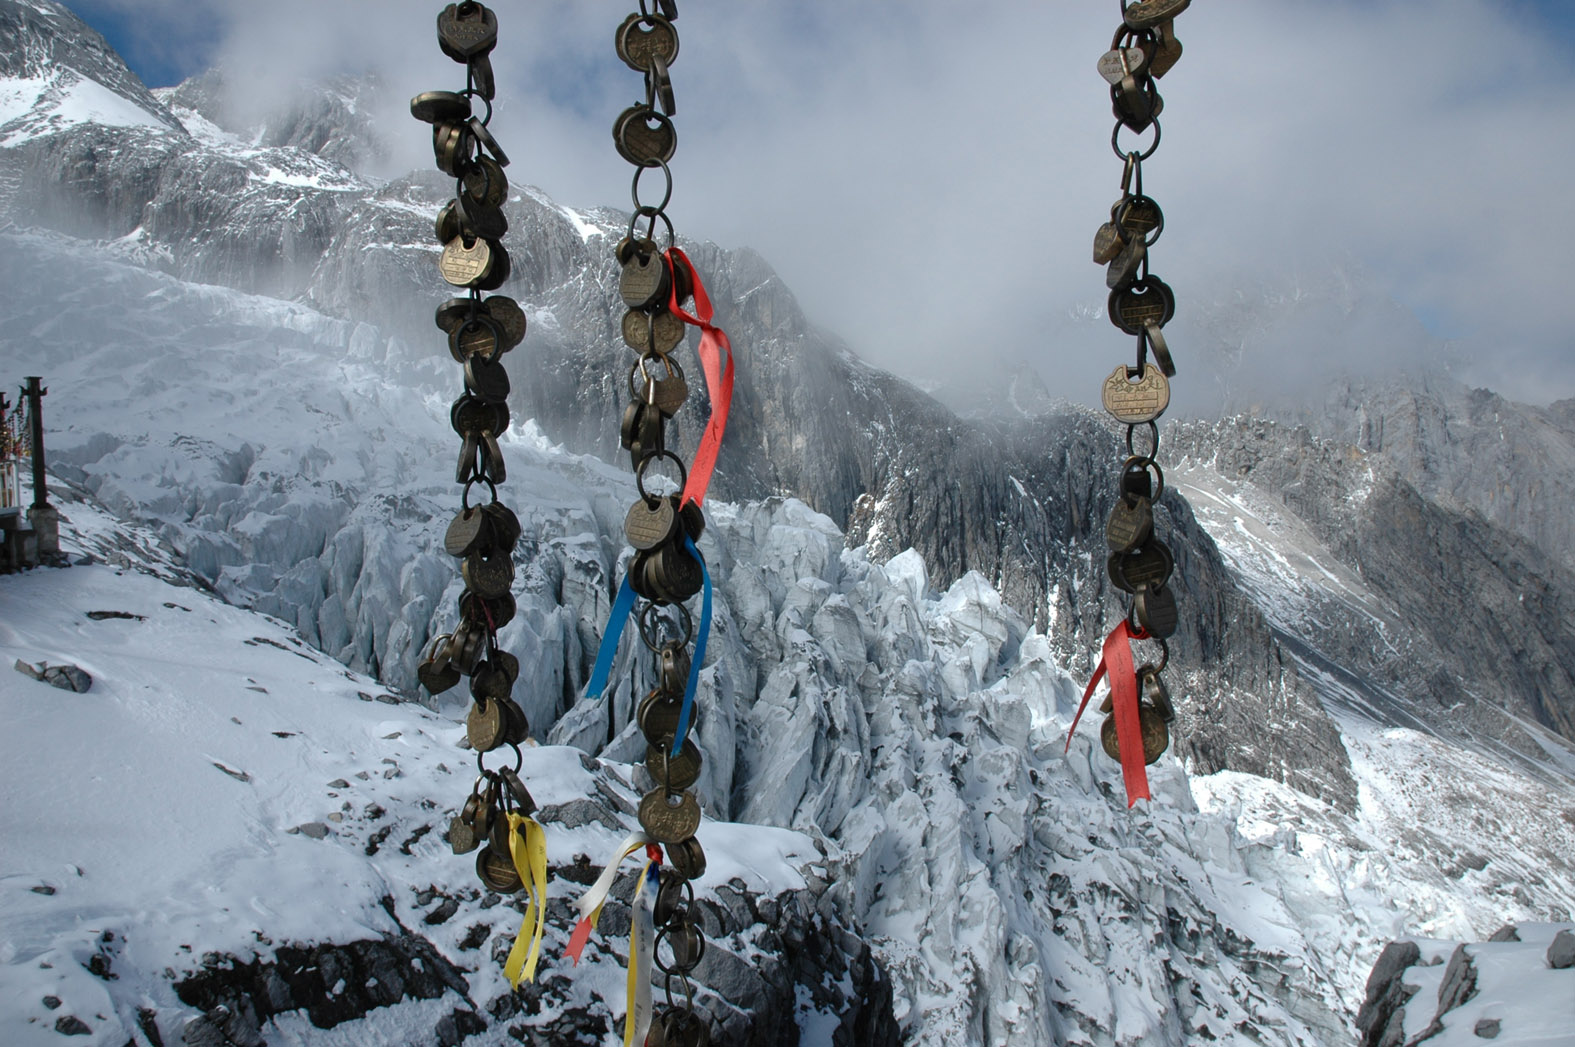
(1116,660)
(579,939)
(718,377)
(582,930)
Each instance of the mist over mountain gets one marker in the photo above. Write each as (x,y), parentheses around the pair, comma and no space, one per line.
(1375,673)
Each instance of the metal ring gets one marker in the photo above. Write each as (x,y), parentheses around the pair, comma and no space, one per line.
(479,319)
(519,760)
(1126,34)
(686,627)
(1115,141)
(471,92)
(1164,650)
(664,935)
(652,215)
(1126,205)
(639,368)
(464,498)
(1149,463)
(639,472)
(1154,432)
(634,189)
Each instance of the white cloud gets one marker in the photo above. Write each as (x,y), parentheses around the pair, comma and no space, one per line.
(928,176)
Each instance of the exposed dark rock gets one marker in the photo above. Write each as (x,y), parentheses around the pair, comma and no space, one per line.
(1487,1028)
(442,913)
(52,1002)
(331,983)
(240,776)
(147,1021)
(68,678)
(579,813)
(454,1028)
(1460,981)
(1561,952)
(27,670)
(225,1026)
(1506,933)
(71,1025)
(1381,1019)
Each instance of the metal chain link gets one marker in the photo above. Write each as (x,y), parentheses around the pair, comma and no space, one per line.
(483,537)
(1140,304)
(662,527)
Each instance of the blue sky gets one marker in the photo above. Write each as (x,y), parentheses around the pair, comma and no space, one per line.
(160,46)
(164,46)
(1358,148)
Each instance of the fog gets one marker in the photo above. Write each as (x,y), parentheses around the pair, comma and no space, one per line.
(928,177)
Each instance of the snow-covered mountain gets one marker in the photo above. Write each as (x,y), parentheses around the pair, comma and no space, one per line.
(234,327)
(1001,885)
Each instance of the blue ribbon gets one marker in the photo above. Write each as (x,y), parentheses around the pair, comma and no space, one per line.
(622,608)
(687,711)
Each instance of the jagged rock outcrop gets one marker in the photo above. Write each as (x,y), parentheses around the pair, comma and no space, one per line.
(1476,621)
(1430,991)
(331,983)
(332,119)
(58,56)
(1381,1019)
(1467,449)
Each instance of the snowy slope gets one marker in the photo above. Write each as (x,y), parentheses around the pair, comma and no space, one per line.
(222,787)
(57,74)
(1513,993)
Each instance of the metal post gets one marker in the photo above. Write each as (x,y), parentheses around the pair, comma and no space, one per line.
(36,392)
(44,517)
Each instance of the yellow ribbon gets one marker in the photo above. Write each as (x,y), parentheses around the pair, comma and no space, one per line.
(637,1011)
(528,848)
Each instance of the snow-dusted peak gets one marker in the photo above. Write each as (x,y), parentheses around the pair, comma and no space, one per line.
(336,120)
(57,73)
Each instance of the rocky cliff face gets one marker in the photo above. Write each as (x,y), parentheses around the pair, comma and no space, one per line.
(1474,620)
(1468,449)
(63,73)
(334,119)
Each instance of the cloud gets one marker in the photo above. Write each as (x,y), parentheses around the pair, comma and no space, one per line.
(928,176)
